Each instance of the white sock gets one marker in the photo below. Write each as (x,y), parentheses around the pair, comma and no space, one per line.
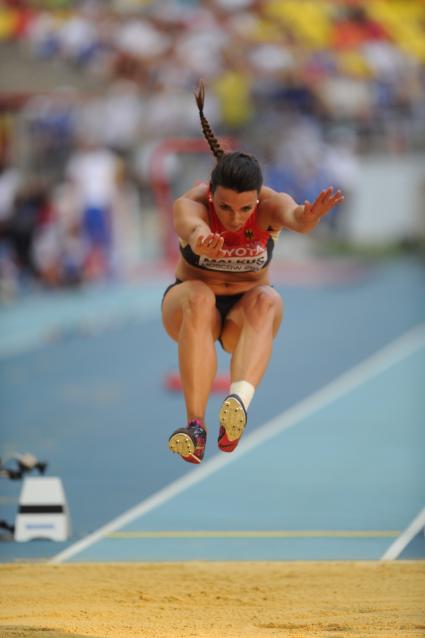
(244,390)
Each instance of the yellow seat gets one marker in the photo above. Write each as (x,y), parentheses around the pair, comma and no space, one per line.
(309,21)
(8,23)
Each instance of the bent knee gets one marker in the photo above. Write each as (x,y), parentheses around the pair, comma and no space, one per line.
(199,296)
(264,303)
(191,303)
(264,310)
(199,301)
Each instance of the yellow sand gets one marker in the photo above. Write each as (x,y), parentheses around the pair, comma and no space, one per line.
(213,600)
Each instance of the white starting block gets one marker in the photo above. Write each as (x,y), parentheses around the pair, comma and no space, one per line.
(43,511)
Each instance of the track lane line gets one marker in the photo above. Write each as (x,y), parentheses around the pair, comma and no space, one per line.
(396,548)
(309,533)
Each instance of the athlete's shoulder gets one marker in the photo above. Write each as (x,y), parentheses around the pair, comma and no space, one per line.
(271,206)
(190,207)
(268,195)
(198,192)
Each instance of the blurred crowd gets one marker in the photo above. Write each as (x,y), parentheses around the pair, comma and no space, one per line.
(306,85)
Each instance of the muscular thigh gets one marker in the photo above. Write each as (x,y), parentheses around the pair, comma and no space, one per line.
(238,315)
(179,297)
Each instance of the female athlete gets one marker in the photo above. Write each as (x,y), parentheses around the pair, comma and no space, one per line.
(227,230)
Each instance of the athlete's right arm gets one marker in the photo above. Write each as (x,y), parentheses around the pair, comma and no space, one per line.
(190,217)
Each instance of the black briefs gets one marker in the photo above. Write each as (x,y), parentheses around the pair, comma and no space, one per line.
(223,303)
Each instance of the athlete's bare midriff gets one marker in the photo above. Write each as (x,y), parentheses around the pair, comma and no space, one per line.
(222,283)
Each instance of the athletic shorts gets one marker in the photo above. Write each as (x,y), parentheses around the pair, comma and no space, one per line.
(223,303)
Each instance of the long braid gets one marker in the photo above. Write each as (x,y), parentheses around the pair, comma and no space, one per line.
(213,142)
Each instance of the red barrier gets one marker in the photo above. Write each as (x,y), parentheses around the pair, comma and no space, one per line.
(173,382)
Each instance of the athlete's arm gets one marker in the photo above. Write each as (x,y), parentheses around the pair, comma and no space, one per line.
(190,217)
(282,210)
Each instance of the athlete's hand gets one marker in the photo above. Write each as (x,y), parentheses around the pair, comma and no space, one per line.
(209,245)
(321,206)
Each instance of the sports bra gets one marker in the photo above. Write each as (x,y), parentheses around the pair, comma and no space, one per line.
(247,250)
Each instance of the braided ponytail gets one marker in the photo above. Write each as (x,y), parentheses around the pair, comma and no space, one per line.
(213,142)
(234,170)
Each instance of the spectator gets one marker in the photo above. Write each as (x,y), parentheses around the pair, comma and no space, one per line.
(94,173)
(10,181)
(30,206)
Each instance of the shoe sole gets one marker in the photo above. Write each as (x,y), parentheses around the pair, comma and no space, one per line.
(233,418)
(182,444)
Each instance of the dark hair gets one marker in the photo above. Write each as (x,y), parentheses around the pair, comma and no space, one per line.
(237,171)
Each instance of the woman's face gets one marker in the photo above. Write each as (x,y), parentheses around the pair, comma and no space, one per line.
(233,208)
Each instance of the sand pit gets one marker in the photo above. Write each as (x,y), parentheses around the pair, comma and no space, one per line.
(213,600)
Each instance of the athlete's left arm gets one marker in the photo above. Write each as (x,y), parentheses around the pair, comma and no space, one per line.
(283,211)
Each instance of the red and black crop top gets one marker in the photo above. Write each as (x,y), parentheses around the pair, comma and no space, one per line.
(247,250)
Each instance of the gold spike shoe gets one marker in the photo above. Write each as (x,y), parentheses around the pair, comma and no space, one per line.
(233,419)
(189,442)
